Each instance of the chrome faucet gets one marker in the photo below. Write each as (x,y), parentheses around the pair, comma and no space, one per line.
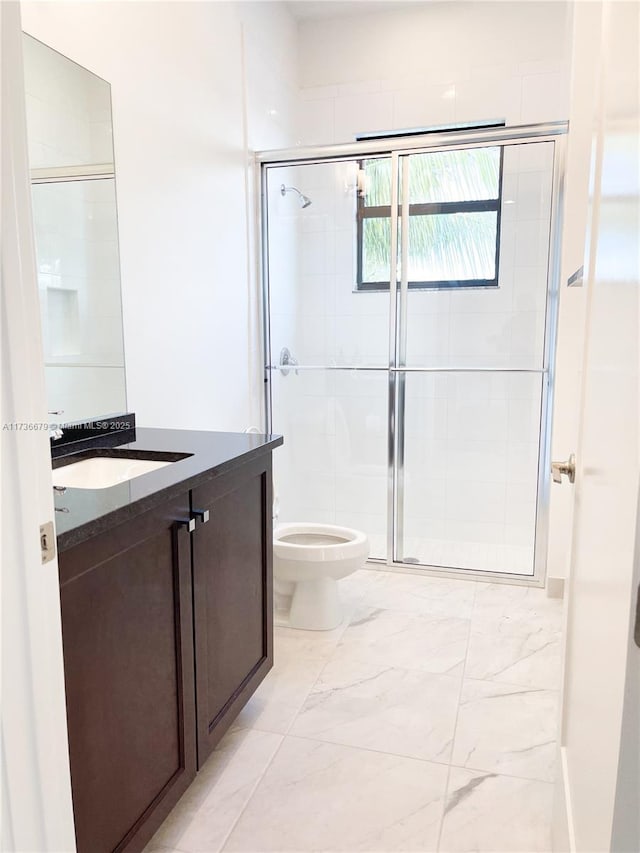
(56,431)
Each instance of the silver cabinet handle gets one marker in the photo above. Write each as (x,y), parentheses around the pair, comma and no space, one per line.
(202,514)
(189,523)
(567,468)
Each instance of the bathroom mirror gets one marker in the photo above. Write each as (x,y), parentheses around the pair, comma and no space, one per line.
(70,141)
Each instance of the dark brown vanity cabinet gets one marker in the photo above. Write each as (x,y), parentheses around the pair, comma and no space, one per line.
(143,706)
(233,605)
(126,602)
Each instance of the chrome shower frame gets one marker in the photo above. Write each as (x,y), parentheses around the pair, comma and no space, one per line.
(397,148)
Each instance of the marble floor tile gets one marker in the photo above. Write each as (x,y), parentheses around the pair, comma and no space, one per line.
(515,609)
(320,796)
(413,593)
(202,819)
(354,587)
(294,643)
(345,745)
(370,705)
(274,705)
(505,728)
(531,659)
(299,657)
(427,643)
(488,813)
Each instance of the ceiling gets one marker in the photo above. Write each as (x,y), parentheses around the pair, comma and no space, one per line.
(303,10)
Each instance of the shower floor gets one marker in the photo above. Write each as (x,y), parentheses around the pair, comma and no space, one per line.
(426,722)
(472,556)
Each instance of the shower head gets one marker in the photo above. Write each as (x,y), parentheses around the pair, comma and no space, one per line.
(305,201)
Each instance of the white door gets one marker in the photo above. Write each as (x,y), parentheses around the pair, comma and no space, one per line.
(600,722)
(36,789)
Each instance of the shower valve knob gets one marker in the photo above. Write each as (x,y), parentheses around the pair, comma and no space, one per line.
(287,361)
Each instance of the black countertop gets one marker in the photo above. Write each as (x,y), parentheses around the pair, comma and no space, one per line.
(92,511)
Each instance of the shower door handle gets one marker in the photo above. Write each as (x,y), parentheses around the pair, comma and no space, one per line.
(568,468)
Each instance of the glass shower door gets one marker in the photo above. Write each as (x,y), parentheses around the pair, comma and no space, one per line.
(328,345)
(408,346)
(472,366)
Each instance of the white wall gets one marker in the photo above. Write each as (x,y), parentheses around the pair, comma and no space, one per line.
(432,64)
(180,138)
(270,43)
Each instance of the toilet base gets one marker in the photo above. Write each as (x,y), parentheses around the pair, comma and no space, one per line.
(315,605)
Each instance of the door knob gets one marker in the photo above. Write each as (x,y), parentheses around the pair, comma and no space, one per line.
(568,468)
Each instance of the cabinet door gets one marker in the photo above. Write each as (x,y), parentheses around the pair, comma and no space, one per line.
(232,576)
(126,601)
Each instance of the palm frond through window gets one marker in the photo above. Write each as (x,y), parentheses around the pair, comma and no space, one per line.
(454,220)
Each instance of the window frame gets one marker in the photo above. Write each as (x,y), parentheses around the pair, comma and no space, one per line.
(429,209)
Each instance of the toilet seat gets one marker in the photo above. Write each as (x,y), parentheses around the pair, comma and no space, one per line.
(308,561)
(327,542)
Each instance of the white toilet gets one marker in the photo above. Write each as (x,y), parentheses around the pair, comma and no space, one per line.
(308,561)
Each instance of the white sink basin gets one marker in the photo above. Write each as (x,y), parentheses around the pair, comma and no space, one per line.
(100,472)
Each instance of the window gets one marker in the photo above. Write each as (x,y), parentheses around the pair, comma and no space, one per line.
(454,220)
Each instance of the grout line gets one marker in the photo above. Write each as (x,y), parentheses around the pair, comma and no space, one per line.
(370,749)
(251,795)
(455,726)
(284,737)
(346,623)
(197,813)
(323,662)
(505,775)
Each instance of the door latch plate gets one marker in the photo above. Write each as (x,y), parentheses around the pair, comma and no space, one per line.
(47,542)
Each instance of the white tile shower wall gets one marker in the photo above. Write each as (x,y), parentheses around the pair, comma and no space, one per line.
(77,248)
(433,64)
(68,111)
(333,466)
(82,389)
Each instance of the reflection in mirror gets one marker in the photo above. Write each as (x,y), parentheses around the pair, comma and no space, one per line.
(75,219)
